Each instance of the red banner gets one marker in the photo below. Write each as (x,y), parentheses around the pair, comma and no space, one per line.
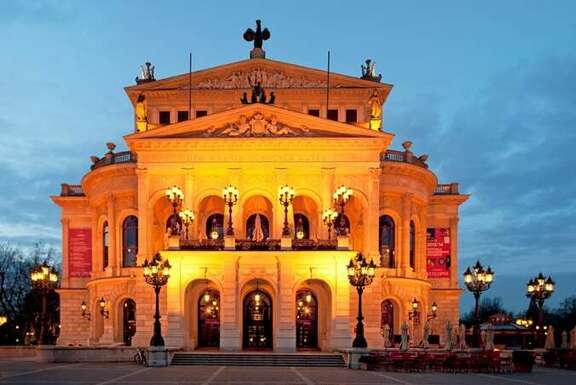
(438,253)
(79,252)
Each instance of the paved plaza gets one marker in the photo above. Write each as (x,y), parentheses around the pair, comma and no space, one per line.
(28,372)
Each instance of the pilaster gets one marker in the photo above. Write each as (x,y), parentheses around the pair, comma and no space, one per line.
(65,250)
(371,230)
(454,252)
(144,215)
(114,262)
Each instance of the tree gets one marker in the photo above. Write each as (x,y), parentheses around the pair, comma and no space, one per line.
(488,307)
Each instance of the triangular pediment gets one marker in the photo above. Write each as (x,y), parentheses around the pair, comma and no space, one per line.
(245,74)
(259,121)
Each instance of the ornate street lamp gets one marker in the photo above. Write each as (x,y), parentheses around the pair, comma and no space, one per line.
(103,311)
(286,196)
(85,312)
(175,195)
(328,217)
(156,274)
(360,274)
(539,289)
(44,279)
(341,196)
(230,194)
(187,217)
(477,281)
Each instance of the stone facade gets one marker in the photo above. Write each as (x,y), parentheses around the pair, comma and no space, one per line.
(257,148)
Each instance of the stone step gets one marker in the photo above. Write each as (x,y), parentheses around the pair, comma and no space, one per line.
(257,359)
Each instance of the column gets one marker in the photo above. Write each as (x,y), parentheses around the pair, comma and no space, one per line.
(189,178)
(231,312)
(96,246)
(114,262)
(143,215)
(406,213)
(342,313)
(175,327)
(421,242)
(372,219)
(327,189)
(454,252)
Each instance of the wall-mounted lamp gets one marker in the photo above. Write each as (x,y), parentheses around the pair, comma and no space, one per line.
(85,312)
(102,303)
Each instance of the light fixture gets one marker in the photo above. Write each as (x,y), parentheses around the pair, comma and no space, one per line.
(103,311)
(85,312)
(286,196)
(230,194)
(341,196)
(328,217)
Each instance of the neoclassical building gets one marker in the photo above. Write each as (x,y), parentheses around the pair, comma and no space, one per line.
(258,125)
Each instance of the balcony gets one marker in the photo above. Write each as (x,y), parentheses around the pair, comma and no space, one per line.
(71,190)
(447,189)
(250,245)
(114,158)
(404,157)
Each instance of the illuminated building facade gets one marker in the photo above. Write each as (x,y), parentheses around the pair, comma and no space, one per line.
(257,125)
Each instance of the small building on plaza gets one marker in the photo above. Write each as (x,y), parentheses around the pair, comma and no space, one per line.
(257,125)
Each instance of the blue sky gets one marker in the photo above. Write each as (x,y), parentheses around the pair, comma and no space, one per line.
(487,89)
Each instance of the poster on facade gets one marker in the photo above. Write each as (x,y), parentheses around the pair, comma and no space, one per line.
(79,252)
(438,252)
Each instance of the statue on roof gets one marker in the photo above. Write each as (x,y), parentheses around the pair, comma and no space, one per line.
(141,114)
(258,96)
(369,71)
(258,38)
(146,73)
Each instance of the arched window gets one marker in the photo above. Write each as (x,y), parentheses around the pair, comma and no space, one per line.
(215,226)
(301,226)
(386,240)
(129,241)
(412,245)
(257,231)
(337,224)
(105,244)
(387,317)
(128,321)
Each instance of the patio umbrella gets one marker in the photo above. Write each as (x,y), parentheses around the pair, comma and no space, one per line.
(258,234)
(404,339)
(550,343)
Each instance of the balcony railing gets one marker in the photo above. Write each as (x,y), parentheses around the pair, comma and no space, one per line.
(311,244)
(114,158)
(71,190)
(447,189)
(203,244)
(250,245)
(403,156)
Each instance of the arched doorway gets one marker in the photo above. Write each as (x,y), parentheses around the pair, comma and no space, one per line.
(306,320)
(387,317)
(257,320)
(209,319)
(128,321)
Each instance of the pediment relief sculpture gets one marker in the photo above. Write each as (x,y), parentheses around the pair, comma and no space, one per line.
(267,79)
(255,126)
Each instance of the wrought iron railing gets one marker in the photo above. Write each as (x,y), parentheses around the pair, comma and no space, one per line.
(71,190)
(447,189)
(250,245)
(311,244)
(202,244)
(114,158)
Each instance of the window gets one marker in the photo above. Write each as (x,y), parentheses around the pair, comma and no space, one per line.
(332,115)
(346,224)
(182,116)
(301,226)
(215,226)
(257,227)
(351,116)
(314,112)
(412,245)
(105,244)
(386,241)
(164,117)
(201,113)
(129,241)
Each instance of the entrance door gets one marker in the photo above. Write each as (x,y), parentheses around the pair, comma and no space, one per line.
(128,321)
(257,321)
(306,320)
(209,319)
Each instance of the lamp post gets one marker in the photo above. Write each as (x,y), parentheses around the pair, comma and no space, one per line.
(187,217)
(539,289)
(175,195)
(156,274)
(230,194)
(478,280)
(341,196)
(328,217)
(286,196)
(44,279)
(360,274)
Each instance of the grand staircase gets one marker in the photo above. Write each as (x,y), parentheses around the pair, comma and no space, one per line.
(258,359)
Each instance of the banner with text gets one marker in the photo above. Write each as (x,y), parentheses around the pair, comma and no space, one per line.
(438,253)
(79,252)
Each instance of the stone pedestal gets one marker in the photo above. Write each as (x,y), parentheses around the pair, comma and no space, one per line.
(44,354)
(229,242)
(353,355)
(375,124)
(343,242)
(257,53)
(174,242)
(157,356)
(286,243)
